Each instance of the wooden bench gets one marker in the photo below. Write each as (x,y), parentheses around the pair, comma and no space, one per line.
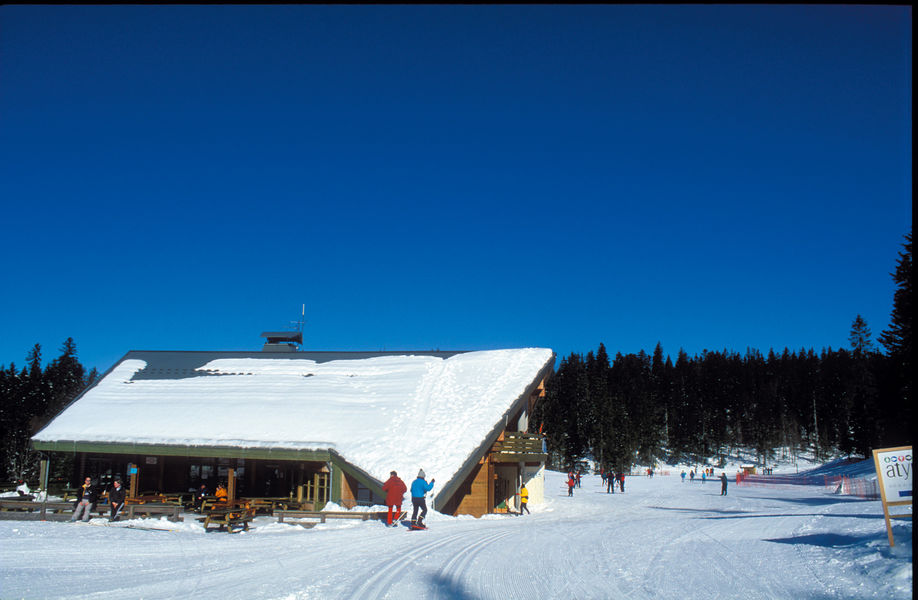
(323,515)
(228,518)
(43,511)
(270,504)
(173,512)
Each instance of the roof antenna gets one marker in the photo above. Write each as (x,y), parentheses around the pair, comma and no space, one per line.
(298,325)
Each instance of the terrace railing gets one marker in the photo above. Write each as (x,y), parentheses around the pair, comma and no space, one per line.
(519,447)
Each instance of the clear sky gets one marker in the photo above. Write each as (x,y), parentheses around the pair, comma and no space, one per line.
(450,177)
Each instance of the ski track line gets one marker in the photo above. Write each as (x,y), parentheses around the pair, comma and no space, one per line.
(655,566)
(457,566)
(378,584)
(807,561)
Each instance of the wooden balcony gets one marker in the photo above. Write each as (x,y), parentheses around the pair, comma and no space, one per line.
(518,447)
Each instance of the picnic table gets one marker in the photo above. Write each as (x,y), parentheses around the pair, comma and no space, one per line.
(230,516)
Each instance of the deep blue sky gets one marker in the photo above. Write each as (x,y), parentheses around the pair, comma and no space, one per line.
(452,177)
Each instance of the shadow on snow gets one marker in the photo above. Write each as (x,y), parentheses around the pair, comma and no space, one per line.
(826,540)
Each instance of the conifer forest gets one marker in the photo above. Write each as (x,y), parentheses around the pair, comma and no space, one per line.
(640,409)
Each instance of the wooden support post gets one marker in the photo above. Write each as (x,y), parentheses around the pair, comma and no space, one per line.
(43,474)
(491,477)
(230,485)
(134,470)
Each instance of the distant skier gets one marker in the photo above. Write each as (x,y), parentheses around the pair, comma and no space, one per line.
(683,476)
(571,482)
(723,484)
(116,500)
(703,477)
(621,482)
(395,490)
(610,482)
(691,475)
(419,489)
(578,478)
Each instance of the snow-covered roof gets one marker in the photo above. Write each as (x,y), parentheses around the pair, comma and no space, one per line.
(377,411)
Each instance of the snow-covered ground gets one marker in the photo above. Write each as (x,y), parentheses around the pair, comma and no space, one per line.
(661,539)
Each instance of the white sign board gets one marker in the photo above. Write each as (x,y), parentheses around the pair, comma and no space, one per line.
(894,474)
(894,470)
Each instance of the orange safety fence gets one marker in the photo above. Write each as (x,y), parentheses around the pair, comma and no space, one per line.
(840,484)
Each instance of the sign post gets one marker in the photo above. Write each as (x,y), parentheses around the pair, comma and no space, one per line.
(132,471)
(894,474)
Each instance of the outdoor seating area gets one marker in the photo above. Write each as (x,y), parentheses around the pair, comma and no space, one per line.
(231,516)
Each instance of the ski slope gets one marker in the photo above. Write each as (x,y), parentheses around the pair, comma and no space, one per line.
(662,539)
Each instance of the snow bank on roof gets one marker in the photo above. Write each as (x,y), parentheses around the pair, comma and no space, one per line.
(380,414)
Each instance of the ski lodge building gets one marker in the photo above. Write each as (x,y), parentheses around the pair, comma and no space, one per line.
(315,427)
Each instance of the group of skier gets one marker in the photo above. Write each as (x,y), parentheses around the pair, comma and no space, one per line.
(395,490)
(610,478)
(704,474)
(88,495)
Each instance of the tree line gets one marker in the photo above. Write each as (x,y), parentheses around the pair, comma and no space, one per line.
(29,398)
(633,409)
(640,408)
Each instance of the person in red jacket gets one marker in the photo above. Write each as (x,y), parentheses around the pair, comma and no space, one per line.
(395,490)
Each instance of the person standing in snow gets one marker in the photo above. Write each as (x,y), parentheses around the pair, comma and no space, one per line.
(419,489)
(723,484)
(86,498)
(683,476)
(571,482)
(691,476)
(395,491)
(115,500)
(578,478)
(524,499)
(621,482)
(610,482)
(703,477)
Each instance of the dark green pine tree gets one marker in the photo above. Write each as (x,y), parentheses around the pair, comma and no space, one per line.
(10,418)
(66,378)
(27,405)
(897,339)
(660,393)
(862,389)
(600,404)
(682,422)
(561,412)
(896,397)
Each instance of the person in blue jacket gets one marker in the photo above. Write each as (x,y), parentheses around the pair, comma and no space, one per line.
(419,489)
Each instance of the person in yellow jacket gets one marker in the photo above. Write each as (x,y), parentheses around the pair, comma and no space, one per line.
(524,498)
(221,493)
